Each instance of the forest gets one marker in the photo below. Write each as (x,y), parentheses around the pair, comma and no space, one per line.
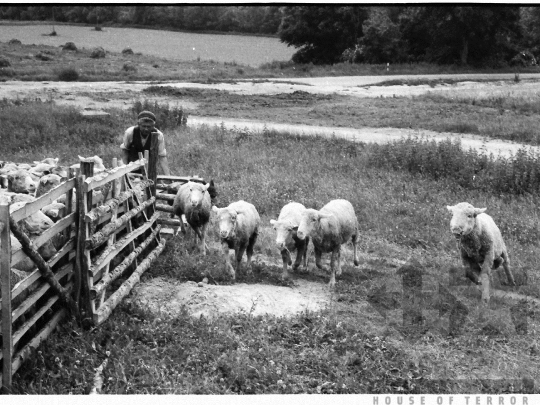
(479,36)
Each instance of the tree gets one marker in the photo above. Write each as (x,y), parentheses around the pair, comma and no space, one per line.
(321,33)
(475,34)
(381,42)
(530,28)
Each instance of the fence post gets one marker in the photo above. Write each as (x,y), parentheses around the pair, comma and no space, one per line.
(153,161)
(5,278)
(84,204)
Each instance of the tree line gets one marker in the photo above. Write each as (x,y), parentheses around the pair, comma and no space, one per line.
(477,35)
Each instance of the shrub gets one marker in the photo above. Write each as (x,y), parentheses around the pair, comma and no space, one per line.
(129,67)
(4,62)
(97,53)
(43,56)
(15,42)
(127,51)
(166,116)
(68,75)
(69,46)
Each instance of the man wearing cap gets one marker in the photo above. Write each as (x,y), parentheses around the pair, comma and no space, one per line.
(138,139)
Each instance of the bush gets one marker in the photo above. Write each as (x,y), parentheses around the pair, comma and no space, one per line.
(127,51)
(129,67)
(15,42)
(97,53)
(4,62)
(43,56)
(68,75)
(69,46)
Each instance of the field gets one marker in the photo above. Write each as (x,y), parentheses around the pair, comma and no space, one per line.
(175,46)
(379,333)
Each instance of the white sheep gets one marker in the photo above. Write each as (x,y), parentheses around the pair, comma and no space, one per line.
(329,228)
(287,240)
(193,201)
(238,229)
(480,244)
(20,181)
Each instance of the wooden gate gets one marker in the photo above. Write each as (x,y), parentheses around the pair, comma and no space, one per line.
(104,245)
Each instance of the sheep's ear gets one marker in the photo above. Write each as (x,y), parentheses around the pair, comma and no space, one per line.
(215,209)
(450,208)
(479,211)
(205,187)
(81,158)
(273,222)
(322,216)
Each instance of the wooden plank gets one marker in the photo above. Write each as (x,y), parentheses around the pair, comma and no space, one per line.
(184,179)
(25,352)
(46,199)
(101,237)
(36,274)
(169,221)
(101,286)
(19,333)
(165,197)
(58,227)
(38,293)
(106,310)
(5,278)
(108,254)
(110,175)
(112,203)
(165,208)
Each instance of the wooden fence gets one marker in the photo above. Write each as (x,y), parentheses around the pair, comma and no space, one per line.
(103,246)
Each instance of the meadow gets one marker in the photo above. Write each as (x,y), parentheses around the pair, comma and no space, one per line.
(363,342)
(177,46)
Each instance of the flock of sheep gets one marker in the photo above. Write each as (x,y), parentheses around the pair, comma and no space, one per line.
(480,242)
(23,183)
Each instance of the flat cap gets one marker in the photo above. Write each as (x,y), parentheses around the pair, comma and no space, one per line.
(146,115)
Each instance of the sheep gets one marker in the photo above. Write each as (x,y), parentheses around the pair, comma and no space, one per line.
(480,244)
(286,239)
(33,225)
(329,228)
(20,181)
(47,183)
(238,229)
(193,201)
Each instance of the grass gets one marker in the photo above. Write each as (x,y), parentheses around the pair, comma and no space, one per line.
(511,112)
(360,343)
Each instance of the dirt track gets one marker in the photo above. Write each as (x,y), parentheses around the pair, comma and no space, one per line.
(100,95)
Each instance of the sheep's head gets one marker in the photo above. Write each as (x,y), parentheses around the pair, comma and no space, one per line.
(463,218)
(196,192)
(227,220)
(21,182)
(284,232)
(310,222)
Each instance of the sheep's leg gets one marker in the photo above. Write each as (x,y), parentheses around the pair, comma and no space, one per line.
(239,253)
(354,242)
(286,257)
(485,273)
(299,256)
(338,263)
(305,250)
(228,266)
(506,266)
(250,246)
(318,259)
(335,256)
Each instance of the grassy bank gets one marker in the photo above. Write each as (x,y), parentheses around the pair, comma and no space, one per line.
(361,343)
(48,63)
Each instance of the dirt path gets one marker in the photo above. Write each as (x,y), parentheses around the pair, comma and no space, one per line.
(102,95)
(370,135)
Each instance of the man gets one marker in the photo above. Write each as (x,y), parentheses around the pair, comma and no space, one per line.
(138,139)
